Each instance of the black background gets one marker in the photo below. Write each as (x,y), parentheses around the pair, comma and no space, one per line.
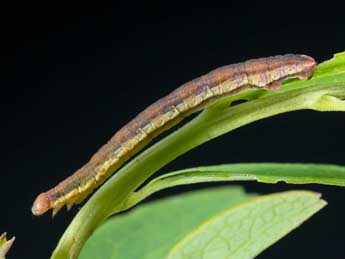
(72,74)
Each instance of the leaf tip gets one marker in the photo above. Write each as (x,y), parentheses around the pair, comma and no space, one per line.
(5,245)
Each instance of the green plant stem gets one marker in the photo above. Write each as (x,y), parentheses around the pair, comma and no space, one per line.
(211,123)
(293,173)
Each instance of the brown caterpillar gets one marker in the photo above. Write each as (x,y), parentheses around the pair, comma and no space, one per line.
(193,96)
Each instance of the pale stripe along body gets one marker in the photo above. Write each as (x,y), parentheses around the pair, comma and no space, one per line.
(264,73)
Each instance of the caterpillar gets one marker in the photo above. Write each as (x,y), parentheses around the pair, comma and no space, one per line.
(264,73)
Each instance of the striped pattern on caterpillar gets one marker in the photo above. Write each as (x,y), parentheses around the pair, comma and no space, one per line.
(265,73)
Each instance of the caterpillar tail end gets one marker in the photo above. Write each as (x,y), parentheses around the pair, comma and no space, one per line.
(41,205)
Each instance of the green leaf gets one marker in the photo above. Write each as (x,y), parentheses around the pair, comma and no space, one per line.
(261,172)
(3,239)
(244,231)
(150,231)
(5,245)
(217,223)
(324,92)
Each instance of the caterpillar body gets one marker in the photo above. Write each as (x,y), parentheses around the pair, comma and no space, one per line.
(266,73)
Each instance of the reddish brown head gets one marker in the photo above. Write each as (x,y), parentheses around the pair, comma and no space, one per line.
(41,204)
